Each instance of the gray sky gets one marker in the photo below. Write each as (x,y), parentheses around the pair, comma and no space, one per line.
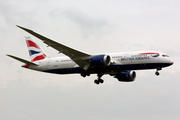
(91,26)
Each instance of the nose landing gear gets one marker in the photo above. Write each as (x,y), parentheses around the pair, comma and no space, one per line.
(157,73)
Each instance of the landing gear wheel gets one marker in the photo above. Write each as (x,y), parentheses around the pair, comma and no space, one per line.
(158,68)
(96,81)
(83,74)
(101,81)
(157,73)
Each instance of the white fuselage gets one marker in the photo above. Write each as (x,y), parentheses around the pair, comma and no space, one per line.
(119,62)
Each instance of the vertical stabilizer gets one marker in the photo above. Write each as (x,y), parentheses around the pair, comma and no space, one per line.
(35,52)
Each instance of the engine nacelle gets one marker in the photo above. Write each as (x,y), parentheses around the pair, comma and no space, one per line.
(127,76)
(100,60)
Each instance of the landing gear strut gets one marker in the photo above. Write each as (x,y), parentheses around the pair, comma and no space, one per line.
(99,80)
(157,73)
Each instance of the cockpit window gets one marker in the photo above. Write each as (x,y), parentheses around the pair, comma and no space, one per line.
(165,55)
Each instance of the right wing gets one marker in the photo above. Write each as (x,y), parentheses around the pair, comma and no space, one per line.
(78,57)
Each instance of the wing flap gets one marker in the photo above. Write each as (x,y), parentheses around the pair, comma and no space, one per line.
(78,57)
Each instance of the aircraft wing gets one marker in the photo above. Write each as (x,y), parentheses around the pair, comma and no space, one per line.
(78,57)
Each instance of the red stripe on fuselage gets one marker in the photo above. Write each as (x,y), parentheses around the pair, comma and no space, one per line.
(40,57)
(32,44)
(148,53)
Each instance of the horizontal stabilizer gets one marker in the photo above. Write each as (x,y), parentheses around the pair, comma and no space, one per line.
(22,60)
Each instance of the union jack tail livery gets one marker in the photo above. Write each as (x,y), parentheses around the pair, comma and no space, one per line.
(35,52)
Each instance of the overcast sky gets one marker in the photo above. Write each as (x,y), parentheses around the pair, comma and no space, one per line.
(91,26)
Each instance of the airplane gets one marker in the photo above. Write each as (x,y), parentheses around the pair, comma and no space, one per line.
(119,65)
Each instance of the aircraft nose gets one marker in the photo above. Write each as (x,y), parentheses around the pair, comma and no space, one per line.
(171,62)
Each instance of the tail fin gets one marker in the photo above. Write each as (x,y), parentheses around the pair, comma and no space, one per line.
(35,52)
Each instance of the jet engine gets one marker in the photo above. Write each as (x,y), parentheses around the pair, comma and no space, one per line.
(127,76)
(100,60)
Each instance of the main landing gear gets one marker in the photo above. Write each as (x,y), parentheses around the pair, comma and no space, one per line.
(99,80)
(85,74)
(157,73)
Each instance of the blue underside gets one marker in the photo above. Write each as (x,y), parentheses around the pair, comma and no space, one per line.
(114,68)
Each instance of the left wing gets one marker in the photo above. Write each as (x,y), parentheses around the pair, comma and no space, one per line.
(78,57)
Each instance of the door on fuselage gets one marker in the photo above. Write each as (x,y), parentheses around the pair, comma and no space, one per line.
(48,63)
